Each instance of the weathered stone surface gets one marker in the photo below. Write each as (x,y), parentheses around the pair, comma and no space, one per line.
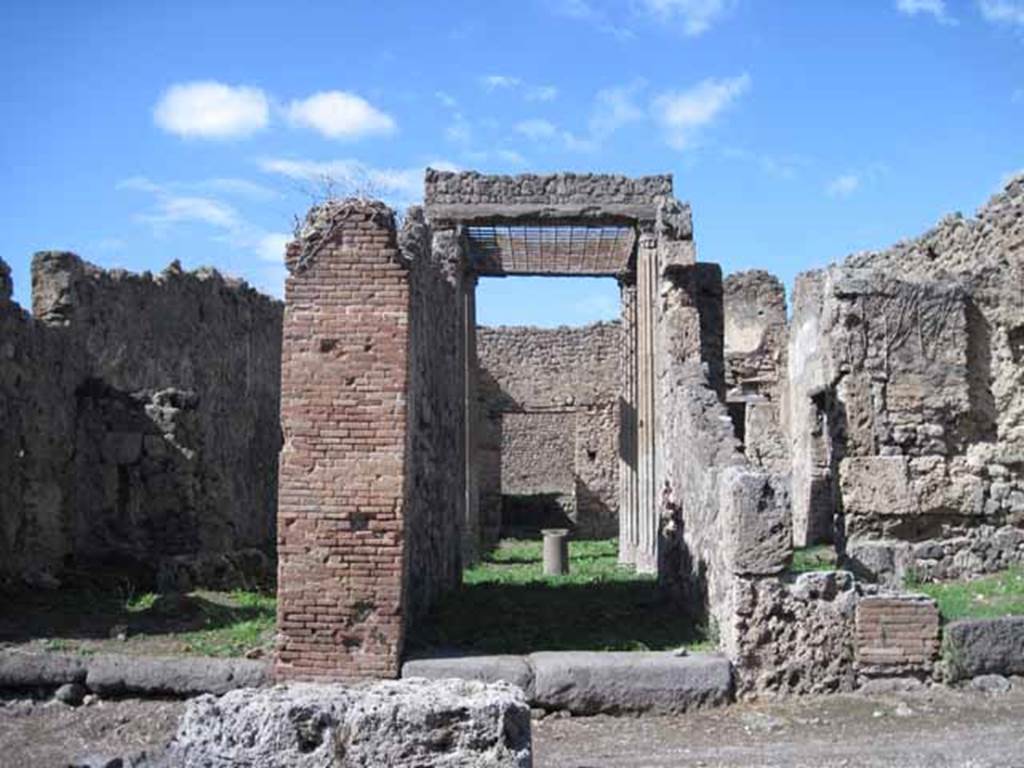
(398,724)
(905,409)
(514,670)
(754,306)
(71,694)
(140,417)
(755,518)
(794,637)
(984,646)
(28,670)
(157,676)
(590,682)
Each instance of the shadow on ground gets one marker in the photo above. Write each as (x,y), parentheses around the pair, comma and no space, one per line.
(508,606)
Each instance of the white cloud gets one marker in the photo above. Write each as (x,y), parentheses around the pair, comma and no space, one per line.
(934,8)
(843,185)
(174,208)
(541,93)
(574,9)
(614,108)
(211,110)
(270,247)
(696,16)
(1003,11)
(460,131)
(511,157)
(684,113)
(536,129)
(495,82)
(340,115)
(352,177)
(446,99)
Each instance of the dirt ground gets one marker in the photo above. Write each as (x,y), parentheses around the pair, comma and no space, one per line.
(935,728)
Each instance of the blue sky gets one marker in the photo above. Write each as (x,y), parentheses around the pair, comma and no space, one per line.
(137,133)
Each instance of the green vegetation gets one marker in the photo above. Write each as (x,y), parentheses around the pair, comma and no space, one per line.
(120,620)
(816,558)
(141,603)
(241,624)
(507,605)
(987,597)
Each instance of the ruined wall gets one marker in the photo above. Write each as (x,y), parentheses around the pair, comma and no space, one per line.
(550,434)
(39,371)
(150,430)
(437,408)
(906,397)
(365,540)
(467,188)
(754,305)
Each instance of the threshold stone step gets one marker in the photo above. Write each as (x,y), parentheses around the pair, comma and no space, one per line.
(591,682)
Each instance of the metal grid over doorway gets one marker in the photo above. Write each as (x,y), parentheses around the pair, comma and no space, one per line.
(550,249)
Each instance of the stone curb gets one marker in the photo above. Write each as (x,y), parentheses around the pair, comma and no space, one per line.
(974,647)
(118,675)
(587,683)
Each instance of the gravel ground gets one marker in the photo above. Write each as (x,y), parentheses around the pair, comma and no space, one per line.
(934,728)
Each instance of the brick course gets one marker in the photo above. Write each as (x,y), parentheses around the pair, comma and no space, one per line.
(342,479)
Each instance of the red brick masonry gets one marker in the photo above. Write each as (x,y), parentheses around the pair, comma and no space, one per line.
(896,634)
(343,411)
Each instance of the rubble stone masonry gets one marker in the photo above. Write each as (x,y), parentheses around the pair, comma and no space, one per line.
(140,419)
(550,424)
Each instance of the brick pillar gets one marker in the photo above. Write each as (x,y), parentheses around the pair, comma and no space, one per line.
(344,380)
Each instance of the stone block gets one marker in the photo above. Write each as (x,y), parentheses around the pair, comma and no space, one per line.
(754,508)
(159,676)
(486,669)
(984,646)
(876,485)
(586,683)
(399,724)
(30,670)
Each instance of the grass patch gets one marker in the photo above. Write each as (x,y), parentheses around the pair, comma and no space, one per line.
(817,558)
(93,620)
(988,597)
(507,605)
(141,603)
(234,627)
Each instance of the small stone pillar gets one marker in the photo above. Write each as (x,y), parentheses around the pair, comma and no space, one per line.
(556,551)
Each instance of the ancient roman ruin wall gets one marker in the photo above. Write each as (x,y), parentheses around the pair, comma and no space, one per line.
(550,425)
(371,481)
(906,408)
(437,411)
(592,190)
(143,415)
(754,304)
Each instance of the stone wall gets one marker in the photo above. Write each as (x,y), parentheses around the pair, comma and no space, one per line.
(550,431)
(437,410)
(754,305)
(906,407)
(371,483)
(142,412)
(471,188)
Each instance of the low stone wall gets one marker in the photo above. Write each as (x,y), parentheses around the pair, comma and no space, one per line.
(140,418)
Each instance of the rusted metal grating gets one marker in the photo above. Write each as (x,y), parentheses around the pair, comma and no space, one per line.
(499,249)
